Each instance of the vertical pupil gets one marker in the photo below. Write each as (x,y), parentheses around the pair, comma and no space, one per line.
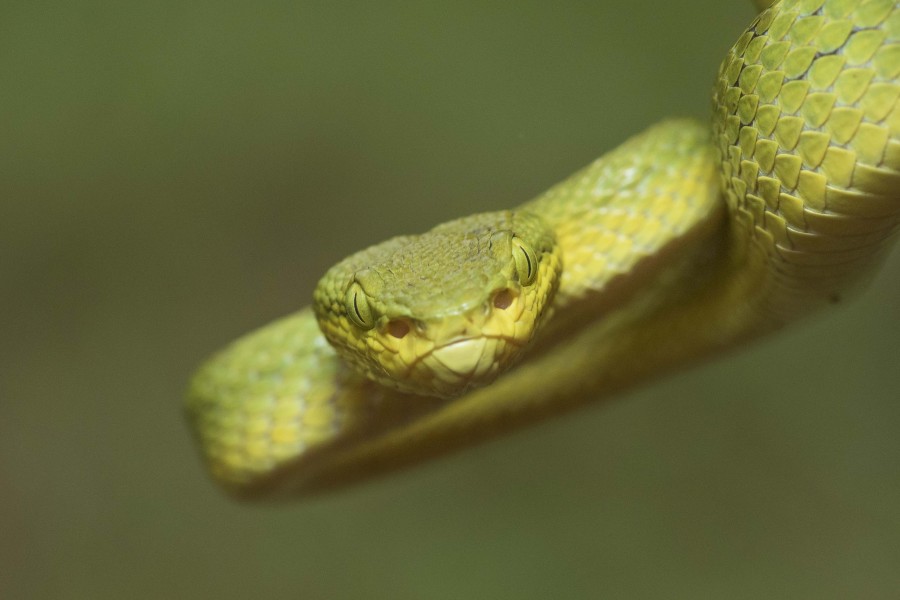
(356,307)
(527,260)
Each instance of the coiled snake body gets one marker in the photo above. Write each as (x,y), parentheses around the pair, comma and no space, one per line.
(675,246)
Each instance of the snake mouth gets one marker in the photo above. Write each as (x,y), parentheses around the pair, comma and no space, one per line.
(465,363)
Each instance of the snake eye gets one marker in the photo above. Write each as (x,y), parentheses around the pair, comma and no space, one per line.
(358,309)
(526,261)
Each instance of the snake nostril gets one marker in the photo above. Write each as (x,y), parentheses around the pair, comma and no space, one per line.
(503,299)
(398,329)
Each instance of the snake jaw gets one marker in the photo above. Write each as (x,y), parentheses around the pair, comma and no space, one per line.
(468,363)
(469,352)
(463,357)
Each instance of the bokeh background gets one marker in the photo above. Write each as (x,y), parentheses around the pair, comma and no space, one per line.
(175,174)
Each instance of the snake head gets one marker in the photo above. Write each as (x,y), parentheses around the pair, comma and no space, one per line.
(443,312)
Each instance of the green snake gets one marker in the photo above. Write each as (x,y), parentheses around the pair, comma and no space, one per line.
(681,243)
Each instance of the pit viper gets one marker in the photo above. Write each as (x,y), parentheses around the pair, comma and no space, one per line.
(683,242)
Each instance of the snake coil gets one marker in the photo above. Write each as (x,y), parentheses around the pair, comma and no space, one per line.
(677,245)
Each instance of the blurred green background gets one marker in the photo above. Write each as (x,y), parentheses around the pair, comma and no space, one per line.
(175,174)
